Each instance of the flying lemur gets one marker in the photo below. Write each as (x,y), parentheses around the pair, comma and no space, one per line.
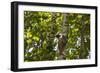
(62,40)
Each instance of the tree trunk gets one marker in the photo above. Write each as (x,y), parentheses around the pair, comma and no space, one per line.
(53,23)
(63,42)
(82,48)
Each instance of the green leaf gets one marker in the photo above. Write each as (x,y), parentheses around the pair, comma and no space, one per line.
(29,41)
(29,35)
(36,38)
(79,16)
(44,42)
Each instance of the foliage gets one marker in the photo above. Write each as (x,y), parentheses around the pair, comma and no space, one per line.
(41,28)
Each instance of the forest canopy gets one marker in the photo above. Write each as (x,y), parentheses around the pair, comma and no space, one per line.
(56,36)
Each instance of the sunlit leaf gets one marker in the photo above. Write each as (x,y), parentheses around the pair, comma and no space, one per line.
(29,34)
(29,41)
(35,38)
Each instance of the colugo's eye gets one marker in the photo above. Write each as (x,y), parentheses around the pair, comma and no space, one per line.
(58,36)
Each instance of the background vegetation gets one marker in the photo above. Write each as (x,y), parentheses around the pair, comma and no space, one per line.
(56,36)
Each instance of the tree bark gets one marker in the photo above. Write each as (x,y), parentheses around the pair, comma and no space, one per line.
(63,42)
(81,56)
(53,23)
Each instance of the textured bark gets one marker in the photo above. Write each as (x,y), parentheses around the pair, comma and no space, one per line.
(63,41)
(82,48)
(53,23)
